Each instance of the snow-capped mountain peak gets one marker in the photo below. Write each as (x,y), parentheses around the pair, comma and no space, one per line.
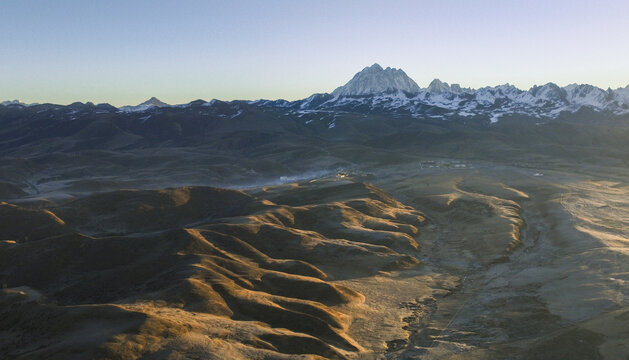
(437,86)
(550,91)
(622,93)
(154,102)
(148,104)
(376,80)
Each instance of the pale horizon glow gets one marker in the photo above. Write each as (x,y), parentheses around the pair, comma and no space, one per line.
(124,52)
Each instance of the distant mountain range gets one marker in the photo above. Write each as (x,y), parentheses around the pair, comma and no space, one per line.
(376,89)
(391,91)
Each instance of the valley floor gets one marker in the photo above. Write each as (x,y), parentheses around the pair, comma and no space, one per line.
(540,260)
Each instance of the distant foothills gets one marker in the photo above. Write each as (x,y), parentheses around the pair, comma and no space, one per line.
(379,90)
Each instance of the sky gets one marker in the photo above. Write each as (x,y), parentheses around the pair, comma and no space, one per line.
(123,52)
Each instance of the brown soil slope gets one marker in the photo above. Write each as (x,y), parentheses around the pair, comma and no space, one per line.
(196,272)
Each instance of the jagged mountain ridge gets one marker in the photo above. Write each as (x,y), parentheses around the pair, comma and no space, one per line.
(374,89)
(390,90)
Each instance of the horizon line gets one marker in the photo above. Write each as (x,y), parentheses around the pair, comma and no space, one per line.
(20,102)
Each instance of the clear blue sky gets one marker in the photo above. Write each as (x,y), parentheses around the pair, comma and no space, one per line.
(123,52)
